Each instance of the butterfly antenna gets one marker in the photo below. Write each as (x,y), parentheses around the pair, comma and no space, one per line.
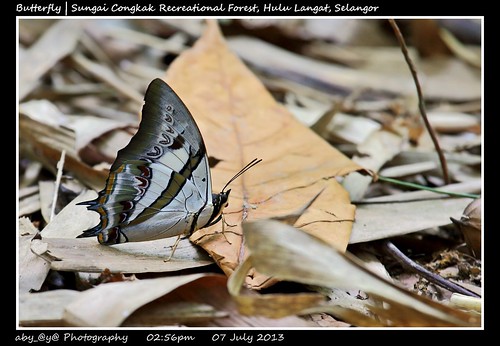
(243,170)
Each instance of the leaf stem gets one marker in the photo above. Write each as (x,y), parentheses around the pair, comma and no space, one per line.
(421,104)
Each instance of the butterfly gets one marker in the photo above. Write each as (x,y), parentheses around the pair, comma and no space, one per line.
(159,185)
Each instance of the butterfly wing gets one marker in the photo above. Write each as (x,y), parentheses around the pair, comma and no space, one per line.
(160,182)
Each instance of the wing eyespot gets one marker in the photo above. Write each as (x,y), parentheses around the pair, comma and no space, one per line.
(157,151)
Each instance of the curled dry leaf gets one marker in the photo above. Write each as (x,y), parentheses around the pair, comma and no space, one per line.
(87,255)
(287,253)
(110,304)
(212,290)
(383,220)
(269,305)
(43,135)
(44,309)
(158,313)
(32,268)
(378,148)
(240,121)
(470,226)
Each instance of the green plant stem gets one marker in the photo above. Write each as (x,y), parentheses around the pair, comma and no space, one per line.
(422,187)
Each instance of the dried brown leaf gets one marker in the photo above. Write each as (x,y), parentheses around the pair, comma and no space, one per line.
(44,309)
(212,290)
(384,220)
(108,305)
(269,305)
(88,255)
(290,254)
(160,313)
(470,226)
(378,148)
(240,121)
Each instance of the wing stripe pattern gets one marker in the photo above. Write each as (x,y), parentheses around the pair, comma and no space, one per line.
(159,179)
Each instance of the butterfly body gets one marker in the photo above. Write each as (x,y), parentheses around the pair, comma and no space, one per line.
(159,185)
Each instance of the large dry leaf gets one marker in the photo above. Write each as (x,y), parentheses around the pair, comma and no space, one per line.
(87,255)
(44,309)
(289,254)
(240,121)
(193,297)
(108,305)
(384,220)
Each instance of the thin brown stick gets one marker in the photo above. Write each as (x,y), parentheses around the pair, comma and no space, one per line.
(421,103)
(407,263)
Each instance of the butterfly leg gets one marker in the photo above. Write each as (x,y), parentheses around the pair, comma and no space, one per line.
(174,247)
(224,222)
(223,230)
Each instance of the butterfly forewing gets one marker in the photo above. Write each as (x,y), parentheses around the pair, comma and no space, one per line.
(160,182)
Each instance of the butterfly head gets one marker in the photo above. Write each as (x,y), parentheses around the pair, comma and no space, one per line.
(221,201)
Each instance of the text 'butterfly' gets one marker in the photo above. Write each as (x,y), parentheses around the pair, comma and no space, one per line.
(159,185)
